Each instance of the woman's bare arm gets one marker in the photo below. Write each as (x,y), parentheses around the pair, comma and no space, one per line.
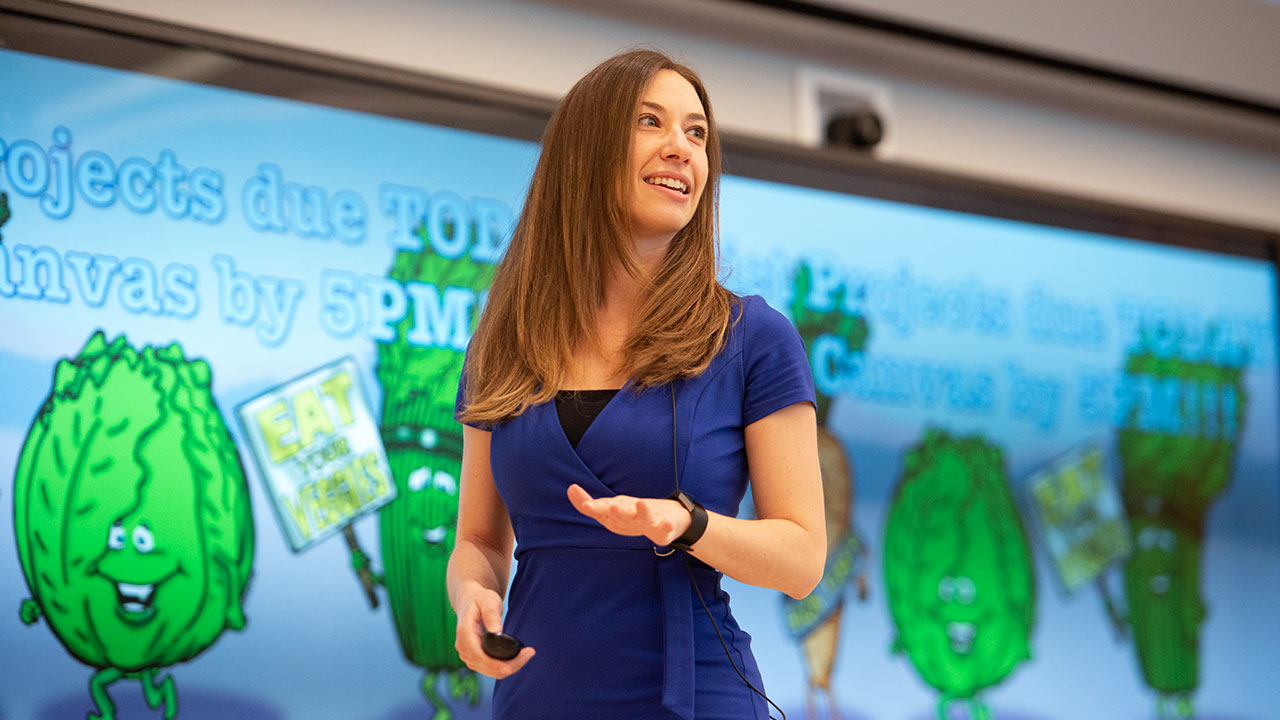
(481,559)
(785,548)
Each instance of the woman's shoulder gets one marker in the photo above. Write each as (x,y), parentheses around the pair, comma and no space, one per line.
(754,320)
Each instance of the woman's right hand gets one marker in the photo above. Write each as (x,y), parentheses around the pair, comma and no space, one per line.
(481,611)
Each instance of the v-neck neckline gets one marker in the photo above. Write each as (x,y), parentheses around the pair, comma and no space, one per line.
(578,410)
(555,417)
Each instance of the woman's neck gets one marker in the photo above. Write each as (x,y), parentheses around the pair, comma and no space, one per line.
(596,365)
(624,292)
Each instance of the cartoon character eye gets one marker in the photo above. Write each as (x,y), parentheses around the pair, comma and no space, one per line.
(116,536)
(143,540)
(946,589)
(966,590)
(418,479)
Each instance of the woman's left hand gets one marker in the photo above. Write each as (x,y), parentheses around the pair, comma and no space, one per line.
(658,519)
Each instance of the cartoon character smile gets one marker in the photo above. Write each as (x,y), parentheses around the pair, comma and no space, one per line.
(135,601)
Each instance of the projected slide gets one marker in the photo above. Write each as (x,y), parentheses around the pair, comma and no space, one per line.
(233,327)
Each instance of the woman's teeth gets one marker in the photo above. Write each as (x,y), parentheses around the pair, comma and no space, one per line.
(672,183)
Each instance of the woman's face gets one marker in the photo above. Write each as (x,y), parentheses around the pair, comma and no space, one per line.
(668,166)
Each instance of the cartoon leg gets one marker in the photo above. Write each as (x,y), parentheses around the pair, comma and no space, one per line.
(978,710)
(98,691)
(833,707)
(1183,707)
(943,702)
(810,703)
(160,694)
(464,683)
(437,703)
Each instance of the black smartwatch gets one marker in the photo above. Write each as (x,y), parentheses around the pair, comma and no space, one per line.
(697,524)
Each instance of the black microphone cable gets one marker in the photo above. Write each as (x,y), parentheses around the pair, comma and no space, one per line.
(688,566)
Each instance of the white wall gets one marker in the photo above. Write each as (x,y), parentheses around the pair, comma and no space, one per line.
(946,109)
(1225,46)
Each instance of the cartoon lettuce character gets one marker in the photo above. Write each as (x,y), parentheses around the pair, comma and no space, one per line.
(815,620)
(1176,460)
(958,569)
(424,448)
(132,516)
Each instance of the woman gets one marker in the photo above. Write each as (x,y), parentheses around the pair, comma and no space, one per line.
(610,367)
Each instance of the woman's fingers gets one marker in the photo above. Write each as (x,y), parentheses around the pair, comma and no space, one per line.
(484,612)
(499,669)
(526,654)
(627,515)
(580,498)
(490,612)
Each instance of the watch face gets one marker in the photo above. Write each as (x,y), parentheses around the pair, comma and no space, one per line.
(685,500)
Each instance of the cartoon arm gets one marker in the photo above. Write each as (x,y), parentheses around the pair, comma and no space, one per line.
(864,589)
(1119,620)
(361,564)
(29,612)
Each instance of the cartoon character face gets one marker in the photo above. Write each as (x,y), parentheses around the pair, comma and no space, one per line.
(1165,605)
(432,489)
(958,606)
(959,593)
(1154,552)
(144,590)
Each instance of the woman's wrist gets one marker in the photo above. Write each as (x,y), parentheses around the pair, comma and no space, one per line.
(697,521)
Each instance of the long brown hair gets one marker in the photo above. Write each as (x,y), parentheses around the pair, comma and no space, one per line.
(574,228)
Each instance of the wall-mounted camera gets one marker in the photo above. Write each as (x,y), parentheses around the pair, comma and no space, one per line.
(858,128)
(839,110)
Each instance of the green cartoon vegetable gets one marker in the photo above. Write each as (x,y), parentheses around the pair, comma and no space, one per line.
(424,448)
(958,570)
(132,516)
(1176,460)
(815,621)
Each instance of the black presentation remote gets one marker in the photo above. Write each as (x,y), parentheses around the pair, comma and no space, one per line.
(500,646)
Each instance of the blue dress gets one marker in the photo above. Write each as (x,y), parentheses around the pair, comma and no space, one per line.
(620,631)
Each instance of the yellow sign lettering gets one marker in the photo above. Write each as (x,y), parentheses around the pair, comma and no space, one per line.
(337,387)
(374,473)
(275,425)
(311,417)
(299,517)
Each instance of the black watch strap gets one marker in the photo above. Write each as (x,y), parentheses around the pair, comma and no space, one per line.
(697,524)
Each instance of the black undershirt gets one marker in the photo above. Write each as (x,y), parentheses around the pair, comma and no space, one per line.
(578,408)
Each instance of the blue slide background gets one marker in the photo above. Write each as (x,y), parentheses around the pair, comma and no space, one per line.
(1046,314)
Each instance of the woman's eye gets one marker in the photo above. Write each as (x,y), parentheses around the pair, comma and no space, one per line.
(115,537)
(143,540)
(698,131)
(649,120)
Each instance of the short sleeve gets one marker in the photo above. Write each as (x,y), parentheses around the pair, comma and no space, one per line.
(775,368)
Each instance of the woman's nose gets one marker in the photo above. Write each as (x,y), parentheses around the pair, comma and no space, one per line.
(676,145)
